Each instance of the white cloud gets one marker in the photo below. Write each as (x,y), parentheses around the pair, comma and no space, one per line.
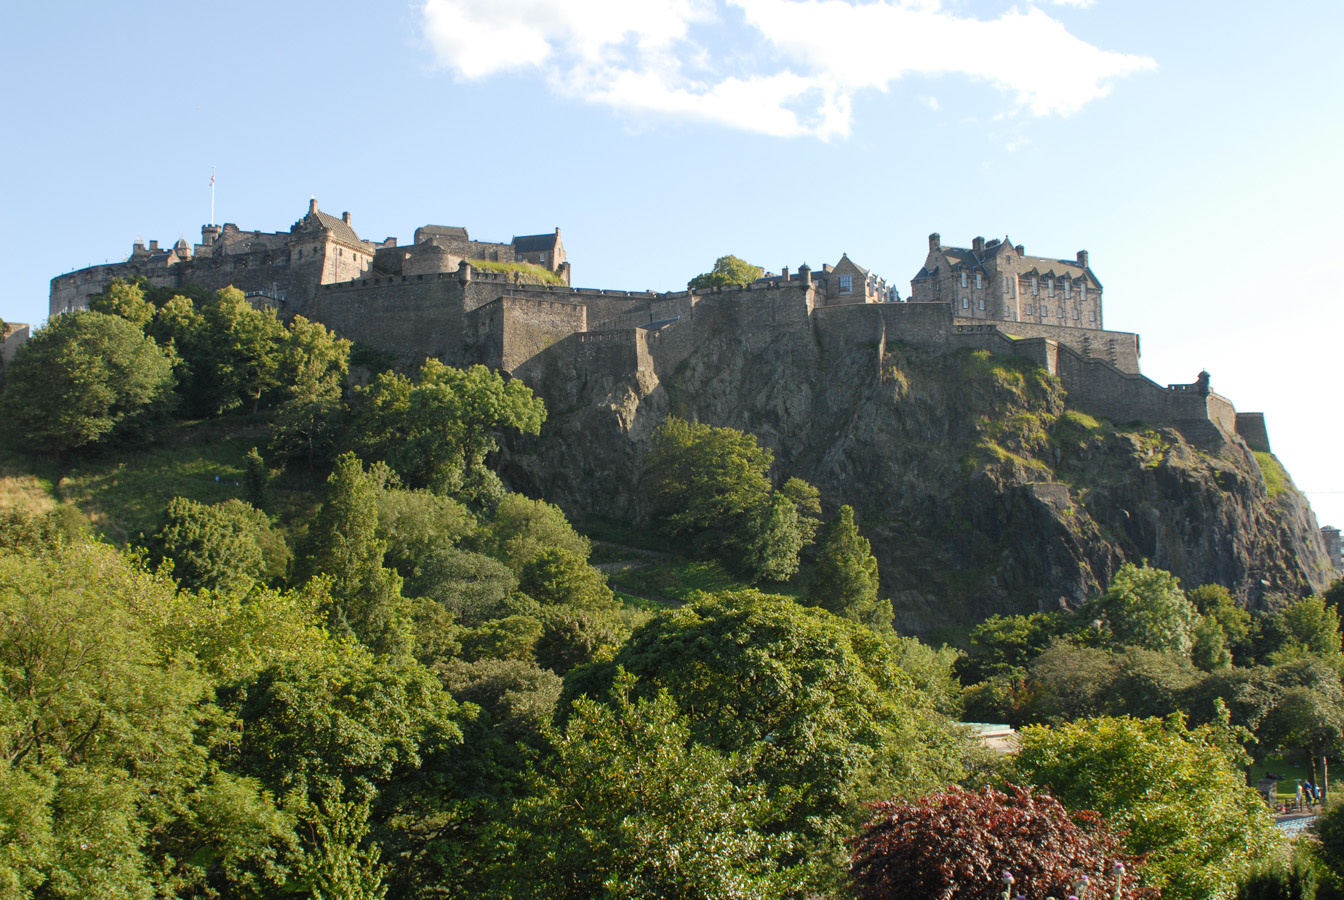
(657,57)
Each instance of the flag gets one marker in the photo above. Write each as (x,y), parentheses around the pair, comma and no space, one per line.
(212,176)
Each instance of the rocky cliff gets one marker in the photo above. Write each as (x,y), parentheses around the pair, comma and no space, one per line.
(980,489)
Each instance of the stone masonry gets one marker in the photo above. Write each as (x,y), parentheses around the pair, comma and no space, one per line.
(428,299)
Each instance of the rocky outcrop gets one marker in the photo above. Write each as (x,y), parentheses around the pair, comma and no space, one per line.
(980,489)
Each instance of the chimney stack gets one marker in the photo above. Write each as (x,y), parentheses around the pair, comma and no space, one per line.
(1082,258)
(1021,249)
(345,217)
(978,245)
(312,206)
(153,246)
(935,242)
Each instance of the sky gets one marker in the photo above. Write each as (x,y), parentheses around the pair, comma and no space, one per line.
(1191,147)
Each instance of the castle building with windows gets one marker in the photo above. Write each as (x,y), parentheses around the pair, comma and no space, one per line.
(463,301)
(997,281)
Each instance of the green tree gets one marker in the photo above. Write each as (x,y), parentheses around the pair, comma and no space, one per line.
(229,546)
(1006,645)
(343,546)
(522,529)
(710,488)
(559,577)
(124,300)
(111,782)
(85,379)
(727,270)
(1306,628)
(1145,607)
(631,806)
(845,582)
(417,524)
(957,845)
(438,431)
(1215,601)
(818,702)
(472,587)
(1177,794)
(311,367)
(240,355)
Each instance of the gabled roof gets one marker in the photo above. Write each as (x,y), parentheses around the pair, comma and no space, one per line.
(453,231)
(339,230)
(534,243)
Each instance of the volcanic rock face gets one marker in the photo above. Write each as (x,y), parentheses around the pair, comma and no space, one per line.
(980,489)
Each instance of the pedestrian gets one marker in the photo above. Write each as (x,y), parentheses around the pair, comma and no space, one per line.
(1299,796)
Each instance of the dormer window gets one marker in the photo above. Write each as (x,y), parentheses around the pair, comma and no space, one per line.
(1049,287)
(963,279)
(1066,289)
(846,284)
(1035,286)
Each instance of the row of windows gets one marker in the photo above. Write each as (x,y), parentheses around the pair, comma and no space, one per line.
(1077,313)
(1050,287)
(979,279)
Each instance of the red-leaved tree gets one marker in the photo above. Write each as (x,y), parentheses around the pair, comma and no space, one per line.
(957,846)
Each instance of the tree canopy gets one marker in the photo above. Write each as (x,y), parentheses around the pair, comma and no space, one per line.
(727,270)
(85,379)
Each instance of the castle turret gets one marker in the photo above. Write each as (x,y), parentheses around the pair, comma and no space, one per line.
(464,273)
(805,274)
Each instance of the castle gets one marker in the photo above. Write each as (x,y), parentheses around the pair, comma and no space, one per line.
(463,301)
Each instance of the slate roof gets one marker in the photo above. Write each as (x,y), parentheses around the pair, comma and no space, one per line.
(455,231)
(339,230)
(534,243)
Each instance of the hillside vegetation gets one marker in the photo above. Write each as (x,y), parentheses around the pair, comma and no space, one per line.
(267,635)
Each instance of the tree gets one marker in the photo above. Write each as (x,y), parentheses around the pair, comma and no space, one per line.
(1306,628)
(343,546)
(522,529)
(438,431)
(1176,793)
(417,524)
(845,582)
(957,845)
(558,577)
(1215,601)
(471,586)
(125,300)
(85,379)
(1145,607)
(727,270)
(111,779)
(239,355)
(312,367)
(710,487)
(631,806)
(1006,645)
(229,546)
(817,701)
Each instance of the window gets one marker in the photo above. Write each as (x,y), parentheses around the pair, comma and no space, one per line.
(1092,315)
(982,302)
(1028,309)
(846,284)
(963,279)
(965,302)
(1076,313)
(979,280)
(1061,312)
(1050,288)
(1066,290)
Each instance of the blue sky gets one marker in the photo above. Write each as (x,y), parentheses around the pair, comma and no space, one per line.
(1190,147)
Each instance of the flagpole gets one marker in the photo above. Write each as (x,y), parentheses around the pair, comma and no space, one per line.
(212,196)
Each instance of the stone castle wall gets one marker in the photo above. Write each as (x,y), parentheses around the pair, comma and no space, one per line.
(414,316)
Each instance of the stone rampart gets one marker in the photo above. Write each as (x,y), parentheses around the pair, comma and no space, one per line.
(414,316)
(1119,348)
(1251,427)
(532,324)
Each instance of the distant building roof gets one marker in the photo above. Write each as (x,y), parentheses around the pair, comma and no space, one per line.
(452,231)
(533,243)
(337,227)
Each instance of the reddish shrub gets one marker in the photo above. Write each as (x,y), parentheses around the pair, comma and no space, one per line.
(957,845)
